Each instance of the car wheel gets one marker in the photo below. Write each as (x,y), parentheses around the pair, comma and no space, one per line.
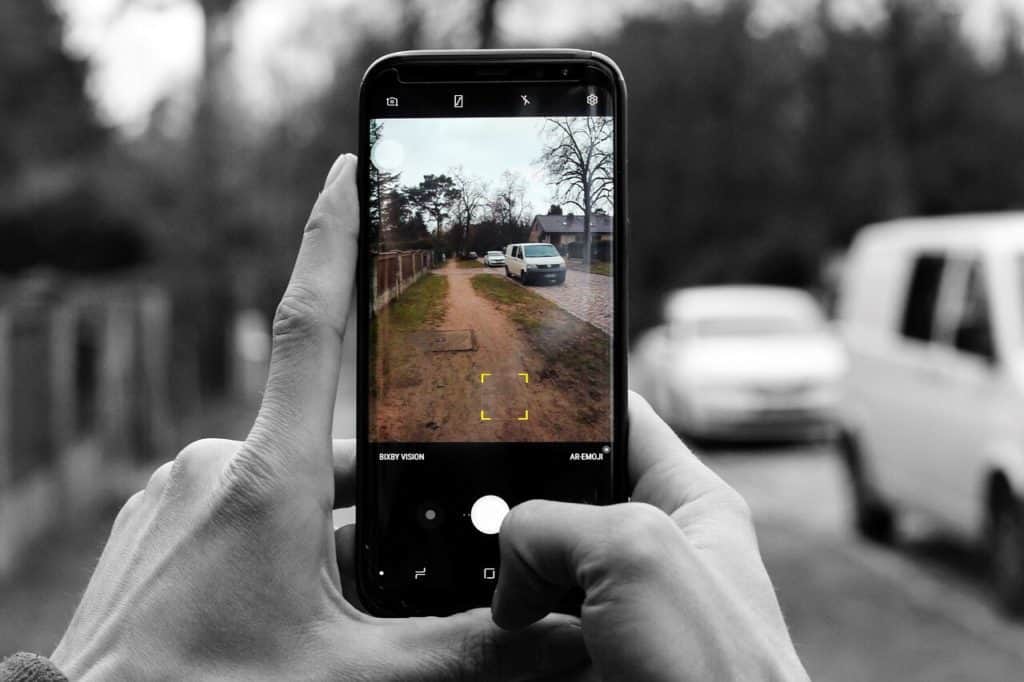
(872,517)
(1006,549)
(523,278)
(508,273)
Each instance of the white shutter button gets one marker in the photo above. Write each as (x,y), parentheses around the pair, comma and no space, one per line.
(487,514)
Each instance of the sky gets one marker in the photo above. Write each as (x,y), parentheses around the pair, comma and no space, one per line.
(484,148)
(141,50)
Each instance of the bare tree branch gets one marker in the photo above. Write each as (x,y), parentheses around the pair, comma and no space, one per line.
(579,163)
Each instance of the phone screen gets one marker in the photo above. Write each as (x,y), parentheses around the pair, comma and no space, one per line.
(490,269)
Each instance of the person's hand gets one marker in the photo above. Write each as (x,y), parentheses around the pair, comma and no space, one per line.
(675,587)
(224,567)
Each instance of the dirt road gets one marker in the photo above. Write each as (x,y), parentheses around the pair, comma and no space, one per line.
(494,388)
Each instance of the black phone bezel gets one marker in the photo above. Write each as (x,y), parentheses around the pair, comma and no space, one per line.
(489,66)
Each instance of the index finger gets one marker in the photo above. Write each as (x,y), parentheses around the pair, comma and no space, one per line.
(664,472)
(293,427)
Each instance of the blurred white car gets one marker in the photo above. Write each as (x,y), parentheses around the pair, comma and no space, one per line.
(492,258)
(932,312)
(741,363)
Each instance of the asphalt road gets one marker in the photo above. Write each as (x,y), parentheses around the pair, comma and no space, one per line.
(918,611)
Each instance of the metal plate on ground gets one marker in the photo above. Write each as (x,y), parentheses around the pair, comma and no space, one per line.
(445,341)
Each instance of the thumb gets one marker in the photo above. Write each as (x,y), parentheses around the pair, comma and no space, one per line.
(469,646)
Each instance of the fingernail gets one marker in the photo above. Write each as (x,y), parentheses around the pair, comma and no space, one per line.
(339,164)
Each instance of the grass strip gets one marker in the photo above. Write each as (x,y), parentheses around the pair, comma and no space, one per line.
(421,306)
(569,346)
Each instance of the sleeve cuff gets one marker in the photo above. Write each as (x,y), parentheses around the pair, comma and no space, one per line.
(26,667)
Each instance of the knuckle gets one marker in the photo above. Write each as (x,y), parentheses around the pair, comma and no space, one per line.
(158,480)
(249,484)
(637,535)
(192,456)
(299,315)
(133,502)
(194,450)
(196,458)
(525,514)
(129,509)
(318,221)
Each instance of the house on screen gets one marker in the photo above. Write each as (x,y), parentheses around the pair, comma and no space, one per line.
(565,232)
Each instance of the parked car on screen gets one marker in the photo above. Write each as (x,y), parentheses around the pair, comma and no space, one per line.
(932,313)
(472,255)
(534,262)
(492,258)
(741,363)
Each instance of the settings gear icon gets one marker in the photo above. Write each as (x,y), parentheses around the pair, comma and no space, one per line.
(592,100)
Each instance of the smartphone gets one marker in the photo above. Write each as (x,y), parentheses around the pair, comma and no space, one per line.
(491,302)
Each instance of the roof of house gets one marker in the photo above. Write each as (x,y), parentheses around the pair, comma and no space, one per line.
(599,222)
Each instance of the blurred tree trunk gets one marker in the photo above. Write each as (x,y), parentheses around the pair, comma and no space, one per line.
(898,129)
(487,23)
(215,305)
(818,145)
(412,25)
(202,282)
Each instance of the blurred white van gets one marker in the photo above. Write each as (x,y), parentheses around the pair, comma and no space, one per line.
(932,314)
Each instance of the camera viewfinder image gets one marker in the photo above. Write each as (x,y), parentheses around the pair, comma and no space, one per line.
(492,279)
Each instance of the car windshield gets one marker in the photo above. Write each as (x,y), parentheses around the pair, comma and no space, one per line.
(494,253)
(538,250)
(752,326)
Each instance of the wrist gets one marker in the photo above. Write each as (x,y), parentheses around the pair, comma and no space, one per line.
(118,660)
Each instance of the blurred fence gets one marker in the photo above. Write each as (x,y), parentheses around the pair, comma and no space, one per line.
(84,374)
(395,271)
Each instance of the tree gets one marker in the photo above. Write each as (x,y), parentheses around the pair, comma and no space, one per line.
(435,196)
(403,226)
(486,23)
(578,159)
(509,210)
(509,204)
(471,196)
(45,115)
(381,184)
